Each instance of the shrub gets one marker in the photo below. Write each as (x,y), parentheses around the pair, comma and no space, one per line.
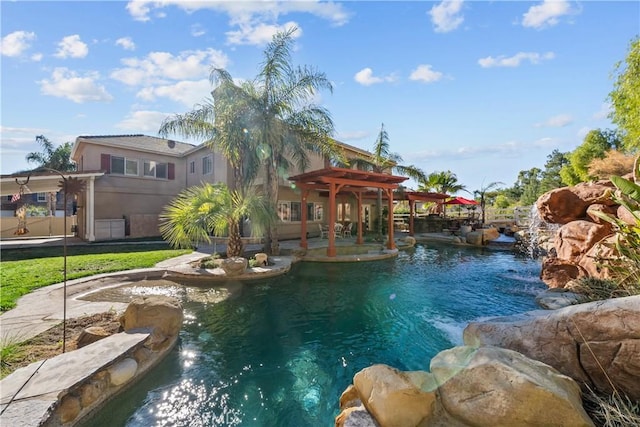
(611,410)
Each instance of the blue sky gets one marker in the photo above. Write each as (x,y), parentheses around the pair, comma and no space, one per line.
(484,89)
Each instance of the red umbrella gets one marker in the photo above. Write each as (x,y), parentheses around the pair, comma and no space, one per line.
(460,201)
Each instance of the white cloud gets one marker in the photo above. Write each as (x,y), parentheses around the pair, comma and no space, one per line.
(603,113)
(36,57)
(159,67)
(446,16)
(245,11)
(198,30)
(583,131)
(546,14)
(366,78)
(188,93)
(559,121)
(126,43)
(14,44)
(425,74)
(142,121)
(260,34)
(72,47)
(65,83)
(515,60)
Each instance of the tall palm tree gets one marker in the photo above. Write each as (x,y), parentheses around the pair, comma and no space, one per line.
(284,126)
(197,210)
(383,160)
(57,158)
(483,192)
(222,122)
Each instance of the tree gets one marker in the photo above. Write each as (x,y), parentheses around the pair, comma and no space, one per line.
(445,182)
(58,158)
(625,97)
(551,174)
(528,184)
(614,163)
(282,123)
(483,193)
(222,123)
(383,160)
(596,143)
(198,210)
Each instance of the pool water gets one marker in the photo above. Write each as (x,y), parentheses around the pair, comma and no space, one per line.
(282,350)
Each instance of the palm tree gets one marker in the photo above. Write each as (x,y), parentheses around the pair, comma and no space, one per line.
(383,160)
(57,158)
(282,123)
(196,211)
(445,182)
(222,122)
(483,192)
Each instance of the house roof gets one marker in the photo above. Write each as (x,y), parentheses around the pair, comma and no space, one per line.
(350,178)
(39,182)
(138,142)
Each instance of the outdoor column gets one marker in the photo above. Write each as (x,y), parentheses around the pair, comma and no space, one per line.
(331,249)
(303,226)
(359,240)
(411,213)
(390,243)
(90,211)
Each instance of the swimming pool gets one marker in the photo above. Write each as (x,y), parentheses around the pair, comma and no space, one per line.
(281,351)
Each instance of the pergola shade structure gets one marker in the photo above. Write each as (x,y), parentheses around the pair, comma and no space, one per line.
(338,181)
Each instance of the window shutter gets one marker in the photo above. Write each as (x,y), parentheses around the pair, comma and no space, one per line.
(171,171)
(105,162)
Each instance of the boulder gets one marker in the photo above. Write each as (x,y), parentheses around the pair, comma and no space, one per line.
(482,236)
(121,372)
(262,259)
(604,249)
(396,398)
(601,208)
(575,238)
(556,273)
(355,416)
(234,266)
(555,298)
(90,335)
(491,386)
(566,337)
(625,215)
(561,206)
(595,192)
(160,313)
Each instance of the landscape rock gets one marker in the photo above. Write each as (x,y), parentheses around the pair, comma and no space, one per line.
(122,371)
(556,273)
(602,208)
(591,261)
(396,398)
(492,386)
(551,299)
(90,335)
(564,339)
(234,266)
(575,238)
(355,416)
(160,313)
(262,259)
(482,236)
(561,206)
(625,215)
(69,409)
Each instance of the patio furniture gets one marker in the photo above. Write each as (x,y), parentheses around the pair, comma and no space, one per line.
(347,230)
(324,231)
(337,230)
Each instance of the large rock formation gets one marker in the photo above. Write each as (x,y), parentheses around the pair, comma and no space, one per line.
(467,386)
(569,338)
(583,235)
(163,315)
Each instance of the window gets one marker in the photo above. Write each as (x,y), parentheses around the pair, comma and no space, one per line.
(192,166)
(124,166)
(155,169)
(290,211)
(314,211)
(347,212)
(284,210)
(207,165)
(296,214)
(42,197)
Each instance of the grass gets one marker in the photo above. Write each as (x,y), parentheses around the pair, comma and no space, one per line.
(25,270)
(611,410)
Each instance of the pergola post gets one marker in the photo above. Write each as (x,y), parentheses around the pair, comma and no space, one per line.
(359,239)
(390,242)
(303,225)
(411,213)
(331,249)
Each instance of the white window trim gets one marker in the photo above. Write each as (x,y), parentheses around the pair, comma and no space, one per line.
(41,197)
(125,160)
(155,169)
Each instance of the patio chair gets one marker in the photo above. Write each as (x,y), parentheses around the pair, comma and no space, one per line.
(337,230)
(324,231)
(347,230)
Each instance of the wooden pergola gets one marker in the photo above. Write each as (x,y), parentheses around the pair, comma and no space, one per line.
(345,181)
(420,196)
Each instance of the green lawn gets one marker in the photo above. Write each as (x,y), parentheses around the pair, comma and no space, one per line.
(24,270)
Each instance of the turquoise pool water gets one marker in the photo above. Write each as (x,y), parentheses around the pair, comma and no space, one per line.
(281,352)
